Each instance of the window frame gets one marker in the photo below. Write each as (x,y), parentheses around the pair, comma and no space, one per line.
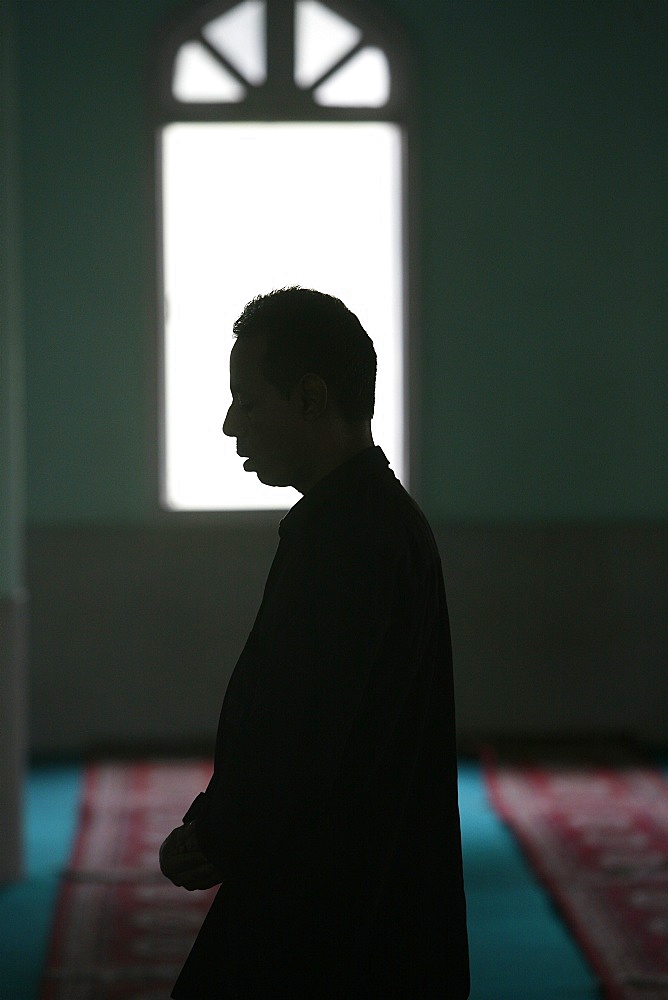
(279,99)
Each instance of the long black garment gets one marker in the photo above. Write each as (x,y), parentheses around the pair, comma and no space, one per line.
(333,810)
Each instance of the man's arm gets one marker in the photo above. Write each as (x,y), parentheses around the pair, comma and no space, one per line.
(315,651)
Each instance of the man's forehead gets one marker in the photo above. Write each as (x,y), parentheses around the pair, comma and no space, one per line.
(245,360)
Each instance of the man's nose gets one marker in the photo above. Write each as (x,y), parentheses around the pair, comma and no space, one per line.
(228,427)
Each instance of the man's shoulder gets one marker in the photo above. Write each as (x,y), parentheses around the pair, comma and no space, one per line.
(402,513)
(382,511)
(360,511)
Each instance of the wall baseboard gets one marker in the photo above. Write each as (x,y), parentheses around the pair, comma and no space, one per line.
(134,631)
(559,628)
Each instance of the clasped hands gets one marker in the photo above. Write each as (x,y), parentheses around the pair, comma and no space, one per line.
(183,863)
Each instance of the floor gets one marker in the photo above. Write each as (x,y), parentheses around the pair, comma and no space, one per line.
(520,949)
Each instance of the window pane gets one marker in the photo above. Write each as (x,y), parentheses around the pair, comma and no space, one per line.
(198,76)
(248,208)
(364,81)
(321,39)
(239,35)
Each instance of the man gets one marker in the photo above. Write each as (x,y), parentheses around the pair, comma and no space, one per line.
(331,819)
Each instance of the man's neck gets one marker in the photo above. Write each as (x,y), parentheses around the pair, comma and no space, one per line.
(338,449)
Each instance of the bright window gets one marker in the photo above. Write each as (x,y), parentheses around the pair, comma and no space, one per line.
(311,197)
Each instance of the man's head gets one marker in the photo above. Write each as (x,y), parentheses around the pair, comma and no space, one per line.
(302,376)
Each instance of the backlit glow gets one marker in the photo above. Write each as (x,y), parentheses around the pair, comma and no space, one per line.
(198,76)
(321,39)
(252,207)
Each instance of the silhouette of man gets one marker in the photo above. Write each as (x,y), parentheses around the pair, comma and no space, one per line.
(331,819)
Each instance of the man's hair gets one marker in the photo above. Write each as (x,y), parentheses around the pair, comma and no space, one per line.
(311,332)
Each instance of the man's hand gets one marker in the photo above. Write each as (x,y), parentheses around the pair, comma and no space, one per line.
(182,862)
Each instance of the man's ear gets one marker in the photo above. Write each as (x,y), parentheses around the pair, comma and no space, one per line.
(313,396)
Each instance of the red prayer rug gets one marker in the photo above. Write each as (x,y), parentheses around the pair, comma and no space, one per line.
(121,930)
(596,834)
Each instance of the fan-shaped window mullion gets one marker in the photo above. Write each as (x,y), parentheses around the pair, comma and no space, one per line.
(199,76)
(305,45)
(323,39)
(240,37)
(337,66)
(225,63)
(362,80)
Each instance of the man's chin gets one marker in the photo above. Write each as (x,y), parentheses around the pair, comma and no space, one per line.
(269,481)
(266,477)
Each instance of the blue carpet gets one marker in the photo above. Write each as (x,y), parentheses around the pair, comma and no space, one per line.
(520,950)
(26,909)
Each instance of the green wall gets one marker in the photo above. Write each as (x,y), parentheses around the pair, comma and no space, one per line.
(11,348)
(544,222)
(542,258)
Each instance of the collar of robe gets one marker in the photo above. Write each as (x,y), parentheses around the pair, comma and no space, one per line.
(369,460)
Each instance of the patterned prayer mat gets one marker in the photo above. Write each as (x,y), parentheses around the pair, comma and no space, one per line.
(121,930)
(596,834)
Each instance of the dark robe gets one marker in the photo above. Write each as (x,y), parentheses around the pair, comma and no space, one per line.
(332,811)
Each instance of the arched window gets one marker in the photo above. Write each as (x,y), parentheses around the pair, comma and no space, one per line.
(281,151)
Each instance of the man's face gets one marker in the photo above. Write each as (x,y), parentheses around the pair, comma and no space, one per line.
(268,428)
